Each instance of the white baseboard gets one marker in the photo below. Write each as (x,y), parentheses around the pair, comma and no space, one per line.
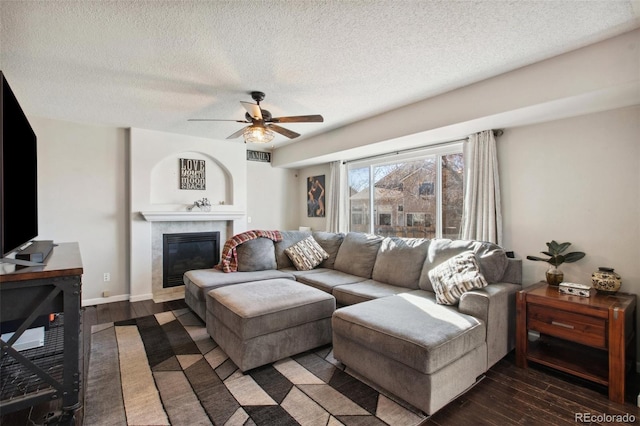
(141,297)
(117,298)
(102,300)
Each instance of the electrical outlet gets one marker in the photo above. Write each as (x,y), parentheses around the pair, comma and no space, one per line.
(107,277)
(248,219)
(105,293)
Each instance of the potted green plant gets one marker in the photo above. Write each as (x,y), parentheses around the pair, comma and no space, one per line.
(557,258)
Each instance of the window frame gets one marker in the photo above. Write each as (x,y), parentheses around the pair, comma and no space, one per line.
(410,155)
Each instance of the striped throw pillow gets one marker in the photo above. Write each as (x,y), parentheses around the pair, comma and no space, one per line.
(456,276)
(306,254)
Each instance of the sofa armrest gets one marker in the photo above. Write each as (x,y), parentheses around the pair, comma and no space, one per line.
(513,273)
(496,306)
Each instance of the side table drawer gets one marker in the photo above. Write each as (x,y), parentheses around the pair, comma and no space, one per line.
(578,328)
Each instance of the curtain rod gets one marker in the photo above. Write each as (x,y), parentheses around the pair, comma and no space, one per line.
(496,133)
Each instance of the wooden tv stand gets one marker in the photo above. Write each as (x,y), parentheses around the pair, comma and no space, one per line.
(589,337)
(50,372)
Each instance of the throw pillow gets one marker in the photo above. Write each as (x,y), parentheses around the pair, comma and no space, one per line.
(256,255)
(456,276)
(306,254)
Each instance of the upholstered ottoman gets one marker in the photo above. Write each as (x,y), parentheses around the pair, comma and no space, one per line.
(260,322)
(423,352)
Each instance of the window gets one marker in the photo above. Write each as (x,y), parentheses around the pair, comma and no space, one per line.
(452,194)
(359,198)
(357,215)
(425,189)
(409,195)
(384,219)
(417,219)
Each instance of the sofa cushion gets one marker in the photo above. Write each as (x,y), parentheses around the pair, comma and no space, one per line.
(491,258)
(293,271)
(412,329)
(306,254)
(400,260)
(357,254)
(456,276)
(199,281)
(328,279)
(330,242)
(350,294)
(256,255)
(289,238)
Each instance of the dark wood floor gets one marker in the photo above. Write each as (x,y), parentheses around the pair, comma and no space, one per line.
(506,396)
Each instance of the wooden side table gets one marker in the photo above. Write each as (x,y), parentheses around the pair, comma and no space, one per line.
(589,337)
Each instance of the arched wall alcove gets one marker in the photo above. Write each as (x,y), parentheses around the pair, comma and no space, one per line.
(165,181)
(158,205)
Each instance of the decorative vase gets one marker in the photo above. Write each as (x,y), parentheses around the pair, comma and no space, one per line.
(554,276)
(604,280)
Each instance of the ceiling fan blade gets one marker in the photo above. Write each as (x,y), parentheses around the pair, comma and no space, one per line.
(253,110)
(236,134)
(285,132)
(298,119)
(216,119)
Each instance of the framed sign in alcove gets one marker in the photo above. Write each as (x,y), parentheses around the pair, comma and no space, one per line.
(193,174)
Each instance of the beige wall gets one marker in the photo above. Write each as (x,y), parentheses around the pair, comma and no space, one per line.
(82,196)
(272,201)
(575,180)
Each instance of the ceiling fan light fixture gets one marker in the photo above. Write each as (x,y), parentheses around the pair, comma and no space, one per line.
(258,134)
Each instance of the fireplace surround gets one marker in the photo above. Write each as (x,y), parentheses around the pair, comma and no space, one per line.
(158,232)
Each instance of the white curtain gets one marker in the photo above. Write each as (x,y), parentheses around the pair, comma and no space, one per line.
(482,216)
(336,218)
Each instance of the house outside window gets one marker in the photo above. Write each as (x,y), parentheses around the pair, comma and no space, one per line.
(417,194)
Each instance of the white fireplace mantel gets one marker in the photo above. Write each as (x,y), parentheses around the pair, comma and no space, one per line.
(189,216)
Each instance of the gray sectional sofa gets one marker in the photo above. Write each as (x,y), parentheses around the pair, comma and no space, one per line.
(389,325)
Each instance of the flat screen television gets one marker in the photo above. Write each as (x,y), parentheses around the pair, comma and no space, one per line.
(18,174)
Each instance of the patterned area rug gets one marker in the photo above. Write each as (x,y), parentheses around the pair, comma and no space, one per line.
(164,369)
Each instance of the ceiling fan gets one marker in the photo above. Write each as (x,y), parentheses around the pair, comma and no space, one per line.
(262,123)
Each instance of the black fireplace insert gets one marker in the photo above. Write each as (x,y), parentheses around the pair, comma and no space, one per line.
(186,251)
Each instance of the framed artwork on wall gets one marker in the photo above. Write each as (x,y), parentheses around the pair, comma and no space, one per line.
(192,174)
(315,196)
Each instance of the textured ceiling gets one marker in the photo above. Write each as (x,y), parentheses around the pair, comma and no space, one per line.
(154,64)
